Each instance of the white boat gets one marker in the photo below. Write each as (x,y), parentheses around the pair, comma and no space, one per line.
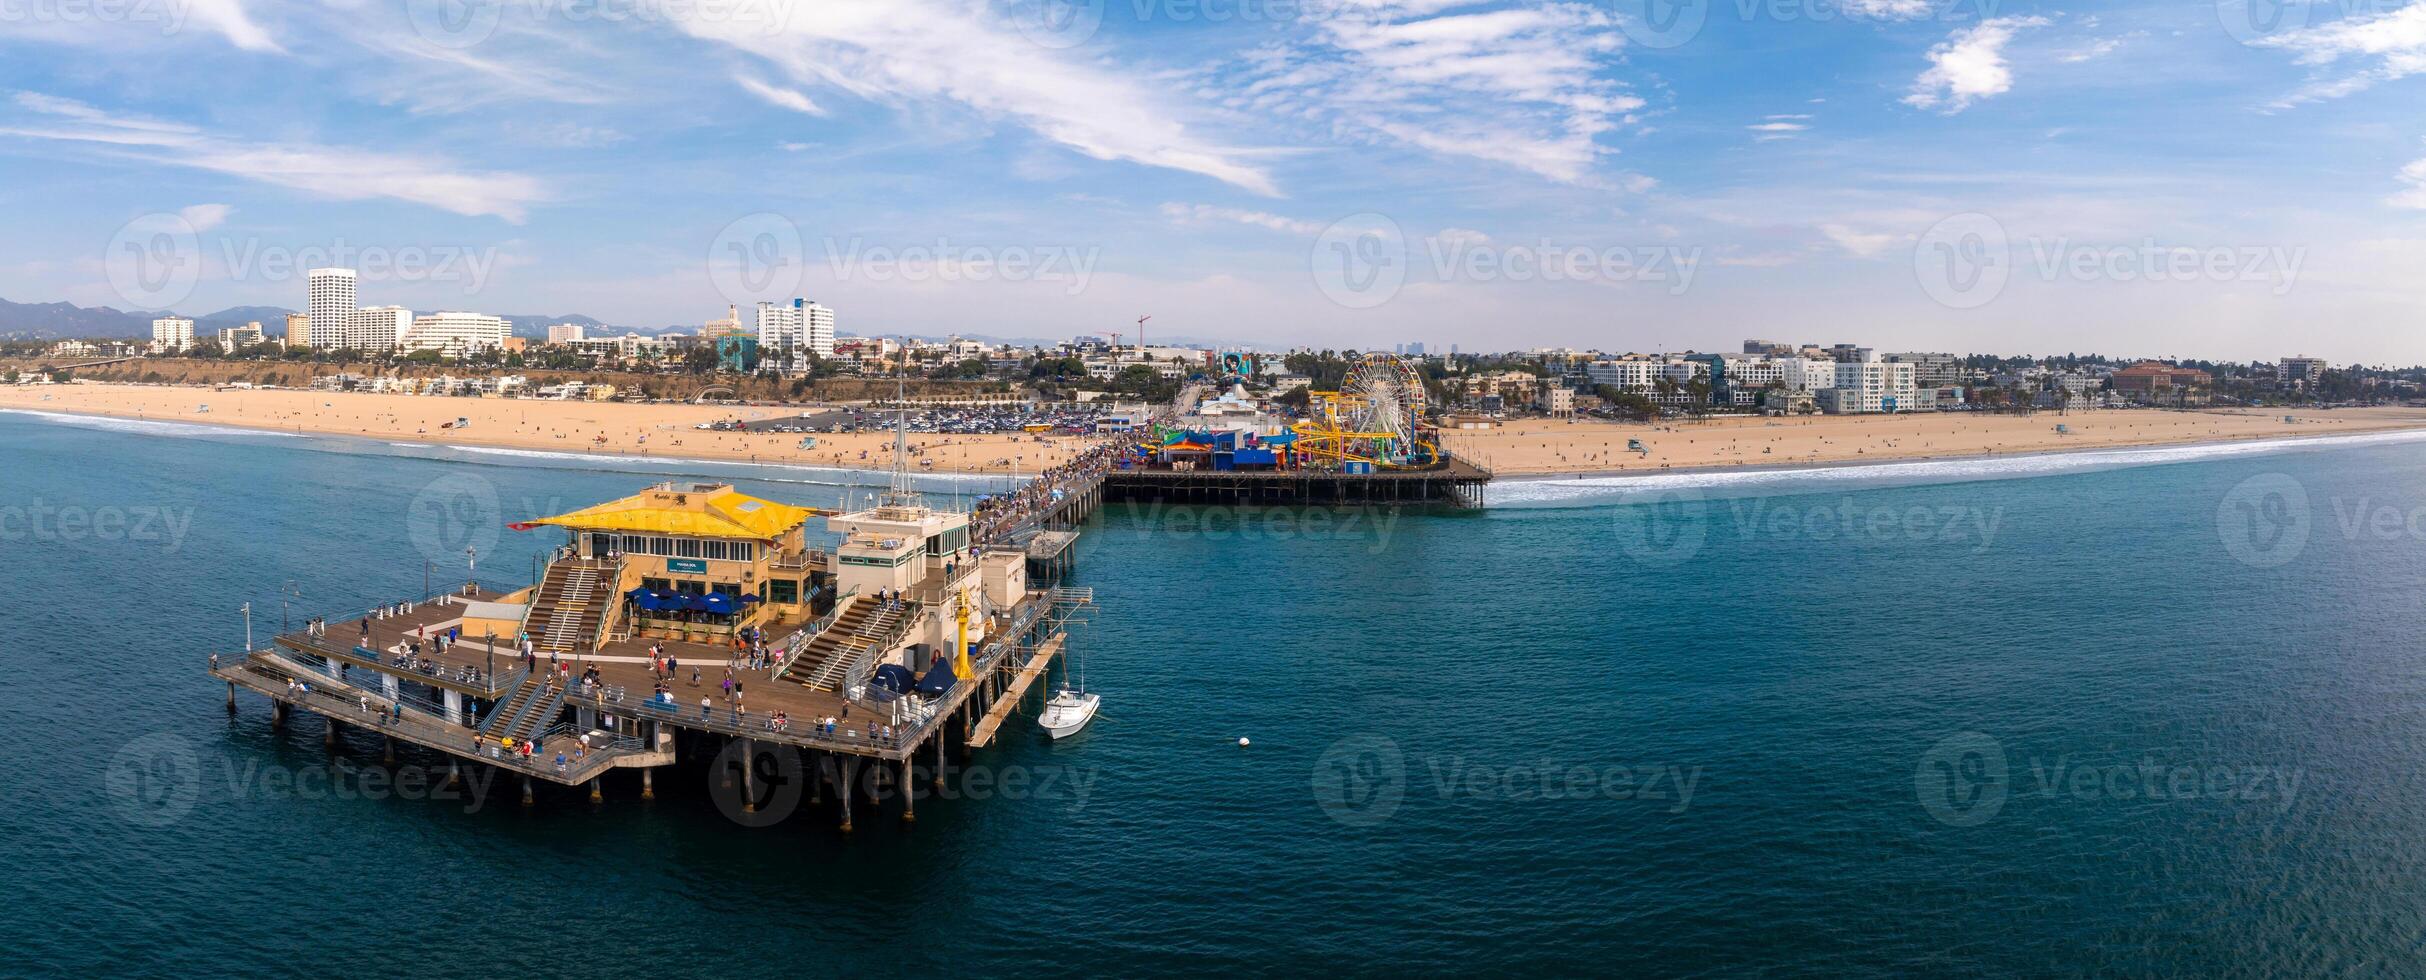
(1068,710)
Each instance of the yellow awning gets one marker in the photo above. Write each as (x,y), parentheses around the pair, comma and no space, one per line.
(716,511)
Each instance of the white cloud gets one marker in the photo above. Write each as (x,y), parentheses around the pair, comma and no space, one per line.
(1200,213)
(961,52)
(1969,65)
(2396,40)
(1777,127)
(229,19)
(332,172)
(1887,9)
(1862,244)
(205,217)
(2096,48)
(781,98)
(2413,196)
(1524,86)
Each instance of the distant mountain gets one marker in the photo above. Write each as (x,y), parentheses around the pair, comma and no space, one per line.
(54,321)
(536,327)
(271,318)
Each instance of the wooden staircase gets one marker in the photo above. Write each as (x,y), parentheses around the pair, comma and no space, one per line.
(570,606)
(827,659)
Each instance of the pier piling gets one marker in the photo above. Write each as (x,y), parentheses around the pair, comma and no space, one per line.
(850,776)
(328,736)
(387,755)
(749,788)
(909,794)
(231,697)
(648,786)
(596,795)
(526,791)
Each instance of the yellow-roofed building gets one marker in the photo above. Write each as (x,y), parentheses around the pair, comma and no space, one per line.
(676,540)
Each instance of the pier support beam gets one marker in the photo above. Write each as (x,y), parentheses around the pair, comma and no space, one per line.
(648,785)
(454,707)
(526,791)
(277,715)
(387,755)
(328,736)
(817,777)
(231,697)
(939,738)
(850,776)
(454,772)
(909,793)
(596,796)
(749,788)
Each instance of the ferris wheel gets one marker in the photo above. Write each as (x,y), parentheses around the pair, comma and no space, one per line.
(1376,417)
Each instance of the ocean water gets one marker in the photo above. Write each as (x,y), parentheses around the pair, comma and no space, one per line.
(2156,714)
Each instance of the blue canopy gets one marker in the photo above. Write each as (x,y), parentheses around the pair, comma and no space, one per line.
(719,603)
(891,680)
(939,679)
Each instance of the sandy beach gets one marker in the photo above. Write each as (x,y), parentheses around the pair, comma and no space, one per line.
(664,431)
(1541,447)
(1529,447)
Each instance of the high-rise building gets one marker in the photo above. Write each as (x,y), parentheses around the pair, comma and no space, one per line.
(299,330)
(233,339)
(331,306)
(2301,372)
(566,333)
(171,334)
(798,324)
(454,334)
(378,328)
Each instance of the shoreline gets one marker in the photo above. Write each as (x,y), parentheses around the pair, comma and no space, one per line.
(1557,478)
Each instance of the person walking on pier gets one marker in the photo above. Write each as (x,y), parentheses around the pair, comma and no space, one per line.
(703,707)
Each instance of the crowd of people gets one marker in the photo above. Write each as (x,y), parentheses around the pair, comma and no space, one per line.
(995,518)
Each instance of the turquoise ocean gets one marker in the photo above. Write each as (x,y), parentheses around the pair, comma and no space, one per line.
(2148,712)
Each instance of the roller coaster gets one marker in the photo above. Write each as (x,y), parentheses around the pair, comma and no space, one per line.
(1375,419)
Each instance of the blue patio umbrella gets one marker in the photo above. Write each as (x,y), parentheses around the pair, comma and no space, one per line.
(719,603)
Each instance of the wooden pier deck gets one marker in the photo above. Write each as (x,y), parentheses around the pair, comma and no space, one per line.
(1015,689)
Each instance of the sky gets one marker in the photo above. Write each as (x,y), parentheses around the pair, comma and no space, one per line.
(2238,179)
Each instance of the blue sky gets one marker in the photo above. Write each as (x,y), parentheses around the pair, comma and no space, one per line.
(2192,179)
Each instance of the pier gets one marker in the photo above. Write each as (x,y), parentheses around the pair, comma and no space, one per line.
(590,665)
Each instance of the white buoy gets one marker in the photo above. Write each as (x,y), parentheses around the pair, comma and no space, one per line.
(1242,741)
